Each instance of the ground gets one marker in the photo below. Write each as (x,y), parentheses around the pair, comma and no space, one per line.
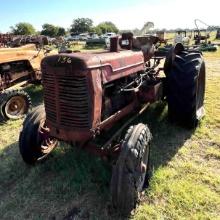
(185,179)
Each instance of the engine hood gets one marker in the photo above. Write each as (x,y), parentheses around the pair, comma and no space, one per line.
(85,61)
(112,64)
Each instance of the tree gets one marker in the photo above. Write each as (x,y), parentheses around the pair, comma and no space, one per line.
(52,30)
(107,26)
(81,25)
(61,31)
(49,30)
(23,28)
(98,30)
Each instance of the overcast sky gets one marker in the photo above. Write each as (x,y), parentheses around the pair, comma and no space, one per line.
(126,14)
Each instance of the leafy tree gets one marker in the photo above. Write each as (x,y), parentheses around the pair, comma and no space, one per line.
(49,30)
(96,30)
(52,30)
(23,28)
(81,25)
(107,26)
(61,31)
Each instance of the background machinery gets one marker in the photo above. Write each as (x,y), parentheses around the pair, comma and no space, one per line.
(17,67)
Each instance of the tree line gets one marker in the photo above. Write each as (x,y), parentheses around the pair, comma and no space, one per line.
(78,26)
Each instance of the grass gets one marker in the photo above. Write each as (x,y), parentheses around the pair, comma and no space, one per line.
(185,180)
(81,46)
(187,185)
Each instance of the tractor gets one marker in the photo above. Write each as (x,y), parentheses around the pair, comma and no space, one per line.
(199,38)
(202,35)
(96,96)
(182,37)
(17,67)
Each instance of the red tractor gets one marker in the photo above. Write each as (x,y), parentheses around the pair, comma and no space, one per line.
(87,95)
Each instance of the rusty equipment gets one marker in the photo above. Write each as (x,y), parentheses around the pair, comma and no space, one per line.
(5,39)
(198,36)
(218,34)
(38,40)
(202,35)
(91,98)
(162,37)
(10,40)
(17,67)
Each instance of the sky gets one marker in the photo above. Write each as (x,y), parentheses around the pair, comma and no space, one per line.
(125,14)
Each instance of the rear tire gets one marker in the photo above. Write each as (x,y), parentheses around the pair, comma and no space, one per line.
(186,88)
(14,104)
(34,142)
(130,172)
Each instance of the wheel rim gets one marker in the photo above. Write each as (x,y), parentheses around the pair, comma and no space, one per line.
(16,107)
(47,143)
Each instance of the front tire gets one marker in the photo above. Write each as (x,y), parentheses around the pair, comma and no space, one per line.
(34,142)
(130,172)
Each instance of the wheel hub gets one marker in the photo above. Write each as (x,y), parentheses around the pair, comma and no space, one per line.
(48,143)
(15,107)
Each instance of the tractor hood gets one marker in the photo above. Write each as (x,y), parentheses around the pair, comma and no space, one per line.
(16,49)
(27,52)
(113,65)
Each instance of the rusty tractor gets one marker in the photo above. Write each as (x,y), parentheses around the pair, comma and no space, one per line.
(86,95)
(17,67)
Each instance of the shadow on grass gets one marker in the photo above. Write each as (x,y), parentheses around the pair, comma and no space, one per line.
(69,177)
(73,183)
(167,138)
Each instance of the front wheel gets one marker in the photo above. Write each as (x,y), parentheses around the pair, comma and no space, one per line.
(35,142)
(14,104)
(130,172)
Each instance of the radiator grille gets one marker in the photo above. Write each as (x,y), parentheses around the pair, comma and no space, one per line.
(67,104)
(50,97)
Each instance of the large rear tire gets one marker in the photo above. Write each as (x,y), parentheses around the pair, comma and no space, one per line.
(130,172)
(186,88)
(34,142)
(14,104)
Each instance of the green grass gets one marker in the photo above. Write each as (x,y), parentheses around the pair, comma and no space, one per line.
(185,179)
(84,47)
(187,185)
